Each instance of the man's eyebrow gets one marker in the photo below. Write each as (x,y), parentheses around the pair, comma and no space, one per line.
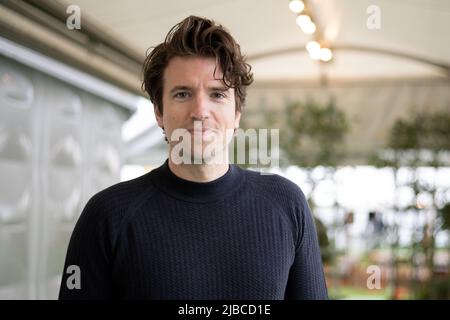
(215,88)
(223,89)
(176,88)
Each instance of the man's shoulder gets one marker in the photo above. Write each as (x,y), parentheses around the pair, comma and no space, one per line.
(273,185)
(118,199)
(282,193)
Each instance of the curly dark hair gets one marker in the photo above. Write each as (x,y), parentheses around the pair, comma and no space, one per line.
(197,36)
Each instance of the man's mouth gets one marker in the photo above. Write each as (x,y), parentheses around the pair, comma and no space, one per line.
(200,131)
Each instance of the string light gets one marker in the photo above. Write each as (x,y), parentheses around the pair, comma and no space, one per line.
(306,24)
(296,6)
(317,52)
(313,48)
(316,48)
(326,54)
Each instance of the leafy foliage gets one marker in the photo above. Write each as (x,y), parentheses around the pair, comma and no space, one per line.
(313,134)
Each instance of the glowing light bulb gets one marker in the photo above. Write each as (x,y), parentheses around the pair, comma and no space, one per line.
(303,20)
(305,23)
(309,28)
(296,6)
(326,54)
(313,48)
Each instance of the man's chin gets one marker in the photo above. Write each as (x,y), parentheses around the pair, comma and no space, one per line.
(205,137)
(207,156)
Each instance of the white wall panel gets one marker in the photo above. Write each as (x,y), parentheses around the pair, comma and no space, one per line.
(58,146)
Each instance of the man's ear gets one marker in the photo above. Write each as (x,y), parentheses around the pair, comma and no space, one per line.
(158,116)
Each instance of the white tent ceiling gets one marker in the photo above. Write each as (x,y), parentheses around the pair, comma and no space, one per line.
(416,28)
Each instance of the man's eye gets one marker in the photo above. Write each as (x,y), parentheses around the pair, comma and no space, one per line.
(219,95)
(181,95)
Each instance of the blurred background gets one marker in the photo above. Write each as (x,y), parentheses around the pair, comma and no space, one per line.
(360,91)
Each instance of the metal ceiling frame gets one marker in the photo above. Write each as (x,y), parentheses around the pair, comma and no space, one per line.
(273,53)
(41,26)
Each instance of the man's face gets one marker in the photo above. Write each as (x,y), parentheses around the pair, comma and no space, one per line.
(193,94)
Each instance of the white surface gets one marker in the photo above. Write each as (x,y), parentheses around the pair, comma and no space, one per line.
(409,26)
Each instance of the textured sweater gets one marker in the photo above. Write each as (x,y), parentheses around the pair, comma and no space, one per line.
(241,236)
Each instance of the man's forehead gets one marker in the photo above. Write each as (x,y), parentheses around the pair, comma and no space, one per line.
(191,70)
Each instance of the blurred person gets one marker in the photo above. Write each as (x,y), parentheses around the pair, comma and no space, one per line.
(200,228)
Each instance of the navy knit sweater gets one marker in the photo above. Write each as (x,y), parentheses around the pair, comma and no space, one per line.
(241,236)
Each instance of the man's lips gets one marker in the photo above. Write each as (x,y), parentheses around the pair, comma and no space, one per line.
(203,130)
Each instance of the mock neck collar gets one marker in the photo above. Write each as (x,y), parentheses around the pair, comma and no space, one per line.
(192,191)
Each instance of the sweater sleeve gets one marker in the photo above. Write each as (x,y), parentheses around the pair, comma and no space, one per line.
(306,277)
(87,273)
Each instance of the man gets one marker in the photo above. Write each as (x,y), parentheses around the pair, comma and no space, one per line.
(196,227)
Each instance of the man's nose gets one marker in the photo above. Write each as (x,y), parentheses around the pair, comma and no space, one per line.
(200,108)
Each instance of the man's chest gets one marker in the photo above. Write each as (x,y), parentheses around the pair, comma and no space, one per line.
(200,252)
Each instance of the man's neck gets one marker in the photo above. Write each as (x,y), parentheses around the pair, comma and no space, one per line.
(199,172)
